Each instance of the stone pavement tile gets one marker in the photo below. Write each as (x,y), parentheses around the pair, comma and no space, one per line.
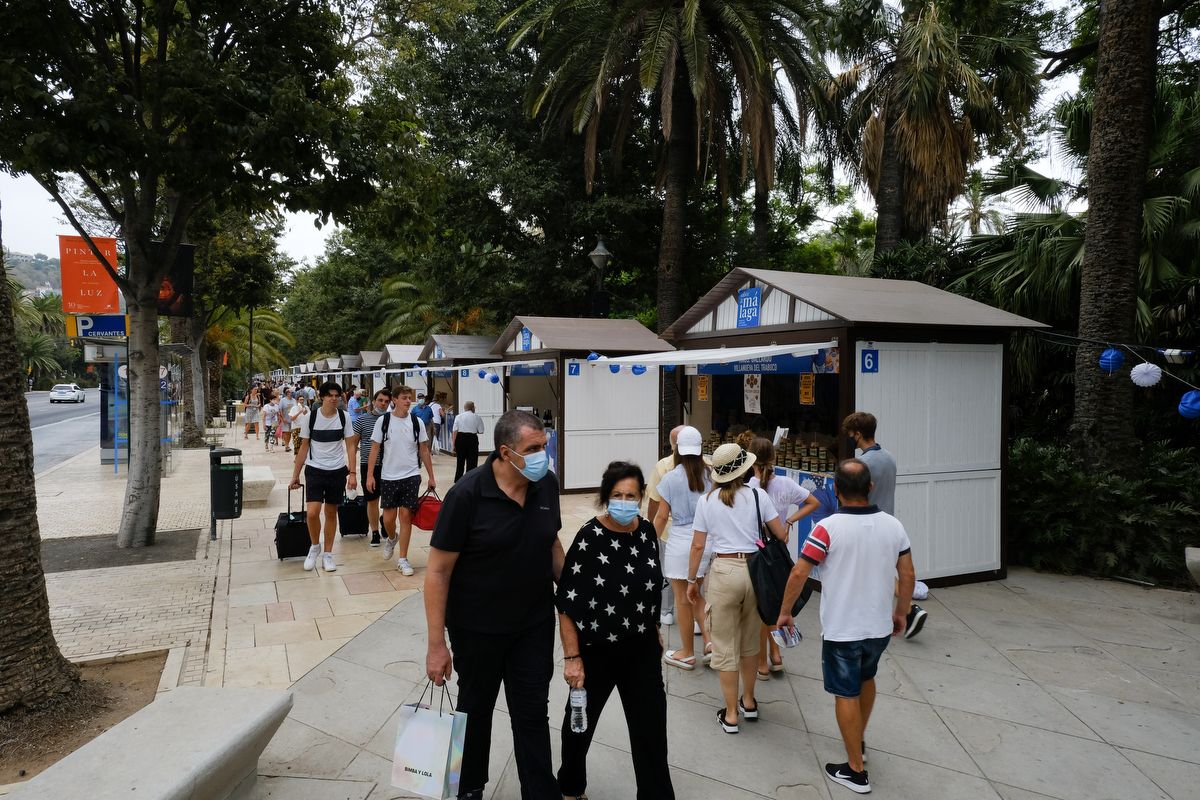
(1004,631)
(304,587)
(367,583)
(280,612)
(261,571)
(1160,602)
(253,594)
(1180,655)
(776,700)
(246,615)
(264,667)
(345,700)
(1013,793)
(345,626)
(1185,687)
(1174,734)
(1091,670)
(966,650)
(311,609)
(1180,779)
(303,656)
(386,648)
(1050,763)
(300,751)
(280,788)
(239,636)
(1001,696)
(257,555)
(269,633)
(903,728)
(364,603)
(896,778)
(1113,624)
(398,580)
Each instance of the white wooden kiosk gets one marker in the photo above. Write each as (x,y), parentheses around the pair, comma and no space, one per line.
(403,365)
(929,364)
(449,358)
(596,415)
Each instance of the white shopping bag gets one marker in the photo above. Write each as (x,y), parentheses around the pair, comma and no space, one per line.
(429,748)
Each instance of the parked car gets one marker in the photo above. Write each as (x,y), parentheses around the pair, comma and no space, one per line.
(67,393)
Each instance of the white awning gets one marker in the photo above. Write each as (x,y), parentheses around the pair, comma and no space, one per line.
(490,365)
(719,355)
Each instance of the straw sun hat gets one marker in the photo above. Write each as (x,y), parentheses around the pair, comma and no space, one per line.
(730,461)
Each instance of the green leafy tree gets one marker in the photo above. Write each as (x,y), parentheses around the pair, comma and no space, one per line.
(158,107)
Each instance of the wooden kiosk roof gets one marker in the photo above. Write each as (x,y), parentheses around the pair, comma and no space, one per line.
(575,334)
(457,347)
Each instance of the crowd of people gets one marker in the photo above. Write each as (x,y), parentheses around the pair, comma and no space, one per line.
(625,577)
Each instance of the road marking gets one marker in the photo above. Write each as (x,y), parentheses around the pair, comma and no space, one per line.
(64,421)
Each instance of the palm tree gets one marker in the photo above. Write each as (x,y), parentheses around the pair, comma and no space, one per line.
(229,333)
(704,63)
(922,91)
(407,313)
(978,213)
(32,669)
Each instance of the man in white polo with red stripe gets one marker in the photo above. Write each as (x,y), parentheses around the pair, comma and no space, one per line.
(861,551)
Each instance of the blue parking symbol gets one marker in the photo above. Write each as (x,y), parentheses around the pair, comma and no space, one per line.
(573,369)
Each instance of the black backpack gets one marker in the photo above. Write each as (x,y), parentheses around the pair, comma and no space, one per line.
(341,418)
(386,420)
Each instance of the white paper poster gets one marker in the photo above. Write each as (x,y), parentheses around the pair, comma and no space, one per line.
(752,390)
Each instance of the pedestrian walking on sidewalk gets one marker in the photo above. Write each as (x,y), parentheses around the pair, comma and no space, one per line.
(286,403)
(270,423)
(364,425)
(860,549)
(299,415)
(653,498)
(730,516)
(399,446)
(468,427)
(608,605)
(326,451)
(252,403)
(494,557)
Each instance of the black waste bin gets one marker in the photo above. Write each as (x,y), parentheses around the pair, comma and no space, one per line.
(230,411)
(225,479)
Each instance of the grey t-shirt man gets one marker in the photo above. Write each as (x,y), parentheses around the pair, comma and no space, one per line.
(883,477)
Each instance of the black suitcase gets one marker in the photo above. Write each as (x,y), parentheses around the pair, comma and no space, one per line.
(291,532)
(352,517)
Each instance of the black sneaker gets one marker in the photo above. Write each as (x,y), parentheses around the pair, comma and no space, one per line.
(916,621)
(374,538)
(854,781)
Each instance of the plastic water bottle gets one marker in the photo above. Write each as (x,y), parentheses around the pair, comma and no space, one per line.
(578,710)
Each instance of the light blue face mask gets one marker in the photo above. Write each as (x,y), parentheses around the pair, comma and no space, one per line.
(623,512)
(536,465)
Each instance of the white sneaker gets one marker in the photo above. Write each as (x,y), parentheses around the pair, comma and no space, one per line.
(310,560)
(389,547)
(667,619)
(327,563)
(405,568)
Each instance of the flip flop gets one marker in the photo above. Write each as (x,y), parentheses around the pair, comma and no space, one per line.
(763,676)
(777,667)
(708,654)
(688,663)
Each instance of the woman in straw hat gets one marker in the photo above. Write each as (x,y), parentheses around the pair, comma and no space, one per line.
(728,516)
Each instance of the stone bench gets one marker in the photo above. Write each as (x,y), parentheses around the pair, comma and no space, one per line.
(189,744)
(257,483)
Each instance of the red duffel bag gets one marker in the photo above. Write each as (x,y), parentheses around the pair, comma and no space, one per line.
(428,507)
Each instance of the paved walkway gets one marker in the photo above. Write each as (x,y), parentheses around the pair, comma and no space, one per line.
(1037,686)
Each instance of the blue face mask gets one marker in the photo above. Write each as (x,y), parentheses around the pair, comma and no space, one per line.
(623,512)
(536,465)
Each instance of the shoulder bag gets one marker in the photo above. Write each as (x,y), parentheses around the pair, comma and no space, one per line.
(769,571)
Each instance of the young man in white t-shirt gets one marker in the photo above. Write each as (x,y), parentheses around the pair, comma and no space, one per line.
(326,451)
(861,551)
(399,440)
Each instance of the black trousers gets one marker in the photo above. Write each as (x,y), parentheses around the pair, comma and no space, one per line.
(466,447)
(634,669)
(524,662)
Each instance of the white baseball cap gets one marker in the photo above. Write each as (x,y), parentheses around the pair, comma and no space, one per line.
(689,442)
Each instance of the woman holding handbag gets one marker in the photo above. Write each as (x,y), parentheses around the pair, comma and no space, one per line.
(731,516)
(608,599)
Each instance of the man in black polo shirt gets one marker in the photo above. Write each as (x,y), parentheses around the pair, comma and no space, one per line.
(493,559)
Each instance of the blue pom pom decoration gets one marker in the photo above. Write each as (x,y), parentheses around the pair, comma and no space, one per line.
(1111,360)
(483,373)
(614,368)
(494,378)
(638,369)
(593,356)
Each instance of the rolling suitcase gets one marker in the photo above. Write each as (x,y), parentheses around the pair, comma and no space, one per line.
(291,532)
(352,517)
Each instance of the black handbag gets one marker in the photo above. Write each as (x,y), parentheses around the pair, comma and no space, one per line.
(769,571)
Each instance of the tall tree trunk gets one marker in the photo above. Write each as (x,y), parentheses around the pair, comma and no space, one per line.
(889,193)
(143,487)
(199,368)
(1117,162)
(762,222)
(216,403)
(32,669)
(191,416)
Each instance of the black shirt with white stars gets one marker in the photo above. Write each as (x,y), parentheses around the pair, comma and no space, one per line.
(612,583)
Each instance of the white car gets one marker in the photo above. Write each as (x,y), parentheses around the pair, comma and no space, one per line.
(67,393)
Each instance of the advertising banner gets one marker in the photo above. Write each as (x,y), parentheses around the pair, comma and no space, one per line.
(702,382)
(87,286)
(808,385)
(749,303)
(752,389)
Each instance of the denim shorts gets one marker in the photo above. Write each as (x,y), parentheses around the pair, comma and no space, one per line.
(847,665)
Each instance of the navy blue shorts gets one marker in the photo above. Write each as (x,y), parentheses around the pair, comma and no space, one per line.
(847,665)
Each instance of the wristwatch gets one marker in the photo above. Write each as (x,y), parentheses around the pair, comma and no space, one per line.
(692,581)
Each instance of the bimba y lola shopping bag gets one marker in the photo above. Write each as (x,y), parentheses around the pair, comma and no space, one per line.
(429,747)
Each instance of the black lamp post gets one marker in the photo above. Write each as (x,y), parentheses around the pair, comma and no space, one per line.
(600,257)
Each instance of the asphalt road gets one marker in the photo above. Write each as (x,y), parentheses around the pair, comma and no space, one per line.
(62,430)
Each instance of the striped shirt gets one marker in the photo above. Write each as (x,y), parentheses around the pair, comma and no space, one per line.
(364,424)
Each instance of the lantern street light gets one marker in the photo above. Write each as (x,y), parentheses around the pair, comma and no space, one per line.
(600,257)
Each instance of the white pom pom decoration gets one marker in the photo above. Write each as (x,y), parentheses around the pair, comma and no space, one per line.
(1146,374)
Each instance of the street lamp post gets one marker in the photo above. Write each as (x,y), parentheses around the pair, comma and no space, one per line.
(600,257)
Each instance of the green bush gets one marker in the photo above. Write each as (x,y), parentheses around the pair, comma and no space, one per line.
(1063,519)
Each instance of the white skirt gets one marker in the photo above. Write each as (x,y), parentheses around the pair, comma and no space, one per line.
(679,550)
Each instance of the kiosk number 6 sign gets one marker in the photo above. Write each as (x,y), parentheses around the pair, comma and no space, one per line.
(870,361)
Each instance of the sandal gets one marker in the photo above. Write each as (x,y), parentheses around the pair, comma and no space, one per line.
(688,663)
(725,726)
(751,714)
(777,666)
(708,654)
(762,676)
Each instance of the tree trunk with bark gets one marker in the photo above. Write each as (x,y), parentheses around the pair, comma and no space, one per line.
(216,403)
(762,223)
(889,193)
(1117,162)
(33,670)
(191,416)
(198,361)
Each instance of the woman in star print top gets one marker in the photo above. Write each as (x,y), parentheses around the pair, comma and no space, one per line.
(608,602)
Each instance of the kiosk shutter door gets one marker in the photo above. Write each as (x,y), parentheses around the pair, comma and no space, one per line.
(939,410)
(489,404)
(608,418)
